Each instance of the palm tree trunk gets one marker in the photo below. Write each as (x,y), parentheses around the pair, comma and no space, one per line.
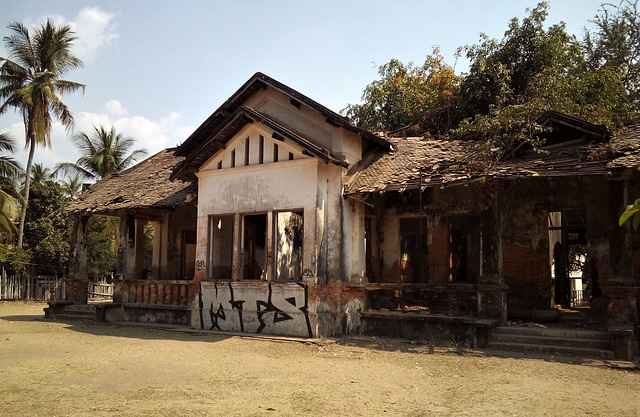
(25,195)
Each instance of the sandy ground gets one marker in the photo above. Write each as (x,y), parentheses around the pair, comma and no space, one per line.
(79,369)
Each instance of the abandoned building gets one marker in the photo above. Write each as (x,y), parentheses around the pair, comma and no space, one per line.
(278,216)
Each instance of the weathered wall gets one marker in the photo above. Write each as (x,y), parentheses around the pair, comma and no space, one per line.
(525,206)
(437,207)
(303,183)
(287,185)
(255,307)
(308,123)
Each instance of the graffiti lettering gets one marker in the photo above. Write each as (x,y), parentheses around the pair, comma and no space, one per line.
(270,308)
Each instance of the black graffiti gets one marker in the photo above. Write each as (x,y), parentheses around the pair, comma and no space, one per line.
(226,296)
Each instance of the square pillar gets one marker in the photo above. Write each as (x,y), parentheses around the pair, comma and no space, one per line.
(621,288)
(156,270)
(76,284)
(139,249)
(492,297)
(78,261)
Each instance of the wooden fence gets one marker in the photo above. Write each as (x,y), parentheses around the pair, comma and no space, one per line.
(41,287)
(100,290)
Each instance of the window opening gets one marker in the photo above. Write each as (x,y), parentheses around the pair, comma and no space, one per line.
(219,164)
(289,236)
(261,150)
(413,250)
(233,158)
(221,246)
(275,152)
(464,249)
(254,246)
(290,156)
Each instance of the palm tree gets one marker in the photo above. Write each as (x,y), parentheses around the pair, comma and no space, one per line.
(41,174)
(103,154)
(72,186)
(30,83)
(10,170)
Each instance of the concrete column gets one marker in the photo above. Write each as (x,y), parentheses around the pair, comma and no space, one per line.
(269,269)
(156,271)
(139,248)
(492,300)
(78,263)
(491,246)
(620,254)
(621,290)
(76,283)
(237,244)
(165,271)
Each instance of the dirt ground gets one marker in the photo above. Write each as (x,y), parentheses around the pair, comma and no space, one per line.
(51,368)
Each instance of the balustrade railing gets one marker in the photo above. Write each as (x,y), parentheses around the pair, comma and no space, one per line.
(169,293)
(580,298)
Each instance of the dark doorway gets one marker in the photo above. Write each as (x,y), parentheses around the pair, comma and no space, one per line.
(464,249)
(572,278)
(255,245)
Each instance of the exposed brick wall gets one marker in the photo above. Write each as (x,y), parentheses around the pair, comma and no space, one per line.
(526,266)
(439,253)
(76,291)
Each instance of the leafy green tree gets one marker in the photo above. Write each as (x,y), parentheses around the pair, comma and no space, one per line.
(502,71)
(103,154)
(30,83)
(632,212)
(10,170)
(615,43)
(40,174)
(418,97)
(47,232)
(531,70)
(102,248)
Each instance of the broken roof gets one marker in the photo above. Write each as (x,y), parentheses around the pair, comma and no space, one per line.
(145,185)
(201,138)
(417,162)
(228,128)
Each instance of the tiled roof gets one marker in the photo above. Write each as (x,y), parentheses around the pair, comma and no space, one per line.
(419,162)
(145,185)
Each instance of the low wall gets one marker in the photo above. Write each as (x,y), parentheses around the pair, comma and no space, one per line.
(280,308)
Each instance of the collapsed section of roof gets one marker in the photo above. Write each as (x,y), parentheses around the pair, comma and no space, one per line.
(417,162)
(145,185)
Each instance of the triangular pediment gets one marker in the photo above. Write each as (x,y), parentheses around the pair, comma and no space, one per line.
(254,145)
(323,133)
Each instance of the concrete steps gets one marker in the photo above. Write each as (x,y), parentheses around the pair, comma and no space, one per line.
(76,312)
(561,342)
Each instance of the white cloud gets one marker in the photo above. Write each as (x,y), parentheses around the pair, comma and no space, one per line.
(115,108)
(95,30)
(93,27)
(152,135)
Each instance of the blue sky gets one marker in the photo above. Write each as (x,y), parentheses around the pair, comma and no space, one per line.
(157,69)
